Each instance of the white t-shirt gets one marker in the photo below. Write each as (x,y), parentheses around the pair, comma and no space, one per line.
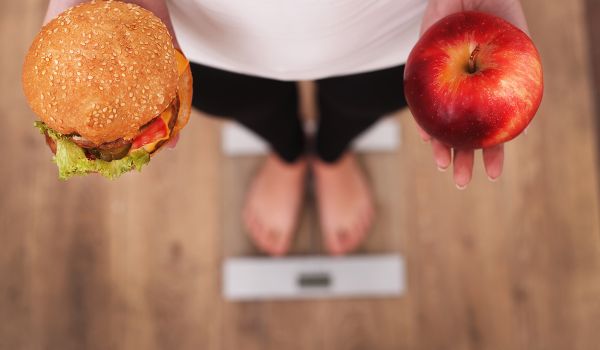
(297,39)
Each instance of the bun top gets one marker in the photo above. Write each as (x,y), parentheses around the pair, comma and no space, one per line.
(101,69)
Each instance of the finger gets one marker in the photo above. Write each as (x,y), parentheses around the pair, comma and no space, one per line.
(463,167)
(493,160)
(442,154)
(424,135)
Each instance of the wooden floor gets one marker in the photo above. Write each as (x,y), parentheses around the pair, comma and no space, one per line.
(134,264)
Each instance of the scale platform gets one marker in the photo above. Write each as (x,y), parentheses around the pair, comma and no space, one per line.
(384,136)
(253,278)
(307,272)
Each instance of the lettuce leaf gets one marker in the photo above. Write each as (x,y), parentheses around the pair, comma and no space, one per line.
(71,159)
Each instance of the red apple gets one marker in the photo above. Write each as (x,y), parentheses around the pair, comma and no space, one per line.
(473,80)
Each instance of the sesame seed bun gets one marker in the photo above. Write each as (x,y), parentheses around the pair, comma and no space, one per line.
(102,70)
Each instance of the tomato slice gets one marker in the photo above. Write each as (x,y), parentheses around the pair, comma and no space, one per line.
(153,132)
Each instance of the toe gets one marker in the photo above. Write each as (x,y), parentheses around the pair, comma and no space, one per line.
(273,242)
(357,234)
(353,241)
(257,233)
(336,241)
(261,242)
(278,243)
(357,239)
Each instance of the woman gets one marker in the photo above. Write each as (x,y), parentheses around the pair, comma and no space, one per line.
(246,57)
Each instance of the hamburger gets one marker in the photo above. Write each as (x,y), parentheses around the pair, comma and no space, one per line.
(108,86)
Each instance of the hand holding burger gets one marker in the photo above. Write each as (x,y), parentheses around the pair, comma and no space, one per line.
(109,87)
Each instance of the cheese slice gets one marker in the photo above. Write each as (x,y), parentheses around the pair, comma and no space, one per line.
(166,117)
(182,64)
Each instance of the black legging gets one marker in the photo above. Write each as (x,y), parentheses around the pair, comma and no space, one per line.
(347,106)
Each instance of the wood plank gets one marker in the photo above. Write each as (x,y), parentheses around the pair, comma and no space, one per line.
(592,9)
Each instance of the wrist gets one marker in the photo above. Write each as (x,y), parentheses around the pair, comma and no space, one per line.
(160,10)
(158,7)
(55,7)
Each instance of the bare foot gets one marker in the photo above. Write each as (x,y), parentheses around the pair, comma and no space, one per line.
(345,203)
(273,202)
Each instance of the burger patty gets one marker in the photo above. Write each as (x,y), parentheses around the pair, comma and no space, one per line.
(116,149)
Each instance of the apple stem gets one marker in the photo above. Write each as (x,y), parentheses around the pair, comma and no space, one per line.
(472,66)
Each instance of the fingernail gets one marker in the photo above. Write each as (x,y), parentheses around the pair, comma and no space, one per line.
(492,179)
(441,168)
(424,140)
(461,187)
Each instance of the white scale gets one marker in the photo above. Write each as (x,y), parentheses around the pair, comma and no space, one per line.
(357,276)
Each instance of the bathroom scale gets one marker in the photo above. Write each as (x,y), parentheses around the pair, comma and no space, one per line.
(309,277)
(302,276)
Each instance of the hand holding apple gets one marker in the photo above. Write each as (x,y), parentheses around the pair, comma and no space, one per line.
(473,81)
